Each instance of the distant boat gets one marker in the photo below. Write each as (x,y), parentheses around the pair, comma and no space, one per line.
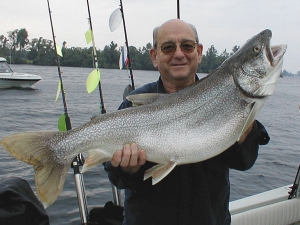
(9,78)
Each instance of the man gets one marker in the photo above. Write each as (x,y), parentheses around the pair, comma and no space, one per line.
(196,193)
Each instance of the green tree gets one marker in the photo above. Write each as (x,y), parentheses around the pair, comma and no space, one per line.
(4,50)
(22,39)
(12,35)
(209,60)
(41,51)
(33,51)
(235,49)
(110,56)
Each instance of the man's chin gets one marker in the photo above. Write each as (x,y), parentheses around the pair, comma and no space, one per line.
(180,75)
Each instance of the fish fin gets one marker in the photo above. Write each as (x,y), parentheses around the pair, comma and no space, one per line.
(94,117)
(256,107)
(95,157)
(127,91)
(50,182)
(144,99)
(159,171)
(32,148)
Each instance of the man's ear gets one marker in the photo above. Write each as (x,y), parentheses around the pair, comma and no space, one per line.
(153,55)
(199,51)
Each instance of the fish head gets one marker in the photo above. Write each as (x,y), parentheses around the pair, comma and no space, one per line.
(257,65)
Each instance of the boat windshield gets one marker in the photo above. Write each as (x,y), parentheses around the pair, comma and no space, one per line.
(4,68)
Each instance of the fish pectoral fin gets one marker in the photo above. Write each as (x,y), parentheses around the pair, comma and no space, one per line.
(159,171)
(143,99)
(256,107)
(95,157)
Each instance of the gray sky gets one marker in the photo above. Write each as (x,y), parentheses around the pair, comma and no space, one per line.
(220,23)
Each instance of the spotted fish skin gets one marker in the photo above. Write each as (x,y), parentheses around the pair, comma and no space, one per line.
(188,126)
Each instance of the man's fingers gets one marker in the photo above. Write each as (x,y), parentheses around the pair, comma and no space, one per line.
(130,158)
(126,156)
(134,155)
(116,159)
(142,157)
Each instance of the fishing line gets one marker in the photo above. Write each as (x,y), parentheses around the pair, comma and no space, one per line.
(95,59)
(116,194)
(67,118)
(127,46)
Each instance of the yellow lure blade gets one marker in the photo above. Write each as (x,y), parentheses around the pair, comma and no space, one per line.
(93,80)
(88,36)
(58,51)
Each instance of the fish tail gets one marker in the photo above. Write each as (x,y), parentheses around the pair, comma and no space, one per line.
(33,148)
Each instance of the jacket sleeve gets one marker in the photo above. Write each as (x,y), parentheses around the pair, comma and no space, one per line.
(243,156)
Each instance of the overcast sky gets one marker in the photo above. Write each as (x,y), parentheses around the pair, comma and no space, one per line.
(220,23)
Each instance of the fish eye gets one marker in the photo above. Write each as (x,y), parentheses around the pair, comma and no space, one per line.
(256,49)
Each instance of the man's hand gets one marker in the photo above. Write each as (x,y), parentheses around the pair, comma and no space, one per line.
(130,159)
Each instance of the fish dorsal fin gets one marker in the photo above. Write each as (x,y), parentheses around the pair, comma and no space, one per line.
(254,111)
(159,171)
(96,117)
(143,99)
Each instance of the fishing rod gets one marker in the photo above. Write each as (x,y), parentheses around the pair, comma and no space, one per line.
(95,59)
(294,193)
(67,118)
(127,46)
(116,193)
(178,10)
(77,161)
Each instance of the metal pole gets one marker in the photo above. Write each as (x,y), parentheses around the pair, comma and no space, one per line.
(178,10)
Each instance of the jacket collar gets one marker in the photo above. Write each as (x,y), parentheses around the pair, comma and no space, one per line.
(160,87)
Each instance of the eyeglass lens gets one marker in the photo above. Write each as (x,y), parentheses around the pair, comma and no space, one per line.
(170,47)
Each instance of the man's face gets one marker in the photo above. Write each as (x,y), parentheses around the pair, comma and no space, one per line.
(178,65)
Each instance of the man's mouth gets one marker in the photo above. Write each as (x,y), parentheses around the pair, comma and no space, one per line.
(178,64)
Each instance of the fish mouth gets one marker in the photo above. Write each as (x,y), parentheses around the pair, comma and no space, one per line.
(275,53)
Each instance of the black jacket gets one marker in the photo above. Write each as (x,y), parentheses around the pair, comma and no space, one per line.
(191,194)
(19,205)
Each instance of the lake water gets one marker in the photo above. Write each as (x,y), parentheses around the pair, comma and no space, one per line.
(36,110)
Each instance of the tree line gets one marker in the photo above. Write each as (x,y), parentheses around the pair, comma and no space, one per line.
(18,49)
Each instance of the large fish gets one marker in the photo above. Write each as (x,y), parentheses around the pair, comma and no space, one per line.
(188,126)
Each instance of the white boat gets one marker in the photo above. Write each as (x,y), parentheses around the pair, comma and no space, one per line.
(279,206)
(9,78)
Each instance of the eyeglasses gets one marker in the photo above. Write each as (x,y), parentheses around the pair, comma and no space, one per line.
(187,46)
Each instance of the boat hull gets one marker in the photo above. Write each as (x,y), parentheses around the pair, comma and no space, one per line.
(11,79)
(271,207)
(17,82)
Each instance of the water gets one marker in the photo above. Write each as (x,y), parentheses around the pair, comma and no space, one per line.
(35,110)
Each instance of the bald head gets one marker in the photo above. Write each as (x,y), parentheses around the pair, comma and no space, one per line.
(172,24)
